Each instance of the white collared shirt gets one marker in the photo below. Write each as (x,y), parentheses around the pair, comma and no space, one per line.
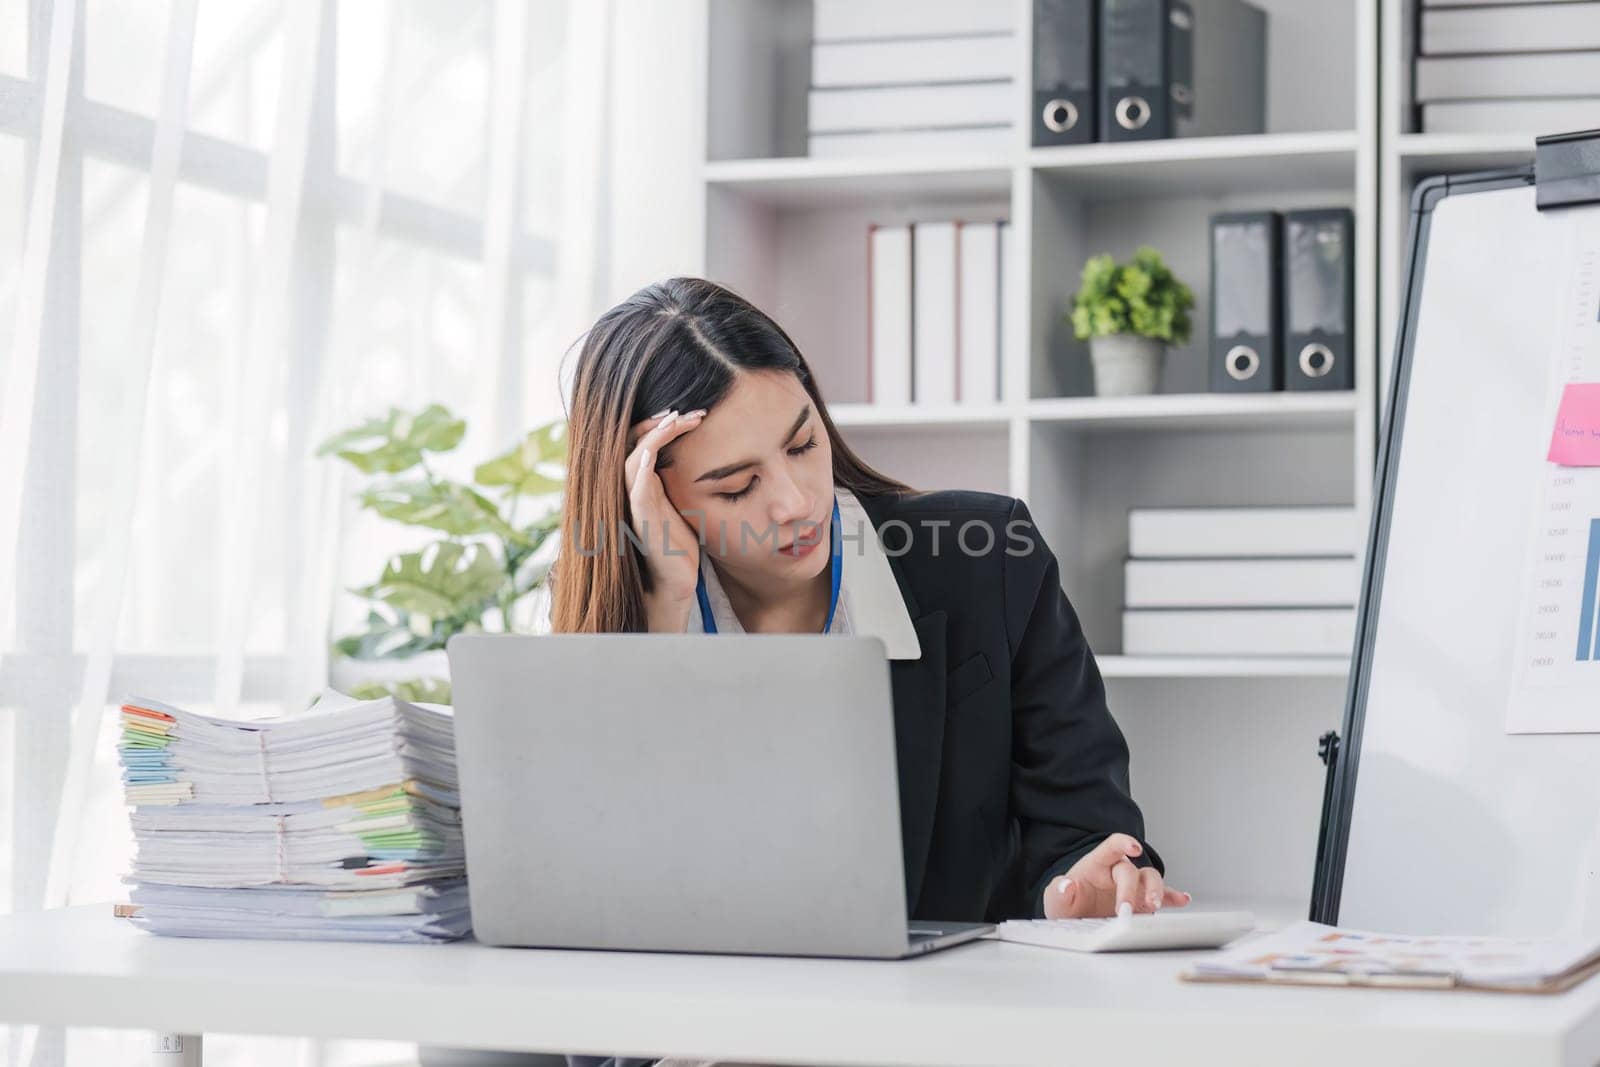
(870,604)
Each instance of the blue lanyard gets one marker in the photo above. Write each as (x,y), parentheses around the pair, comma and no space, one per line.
(708,622)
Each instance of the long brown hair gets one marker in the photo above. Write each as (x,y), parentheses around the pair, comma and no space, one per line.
(680,343)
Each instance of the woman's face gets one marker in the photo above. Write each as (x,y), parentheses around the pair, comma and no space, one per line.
(756,479)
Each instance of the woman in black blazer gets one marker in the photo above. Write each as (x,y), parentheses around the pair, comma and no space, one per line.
(708,490)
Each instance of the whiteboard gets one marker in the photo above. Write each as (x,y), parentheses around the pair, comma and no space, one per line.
(1447,822)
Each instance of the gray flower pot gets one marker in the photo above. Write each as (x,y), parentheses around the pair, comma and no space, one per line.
(1126,364)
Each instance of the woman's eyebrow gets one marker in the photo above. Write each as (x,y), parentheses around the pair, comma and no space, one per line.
(735,468)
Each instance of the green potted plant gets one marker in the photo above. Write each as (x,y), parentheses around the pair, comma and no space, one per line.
(1129,313)
(477,576)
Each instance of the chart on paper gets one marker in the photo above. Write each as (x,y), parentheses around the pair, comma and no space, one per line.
(1556,684)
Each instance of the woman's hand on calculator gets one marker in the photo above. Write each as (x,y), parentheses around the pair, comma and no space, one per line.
(1105,879)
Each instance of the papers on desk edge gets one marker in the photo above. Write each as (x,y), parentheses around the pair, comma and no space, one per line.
(1308,953)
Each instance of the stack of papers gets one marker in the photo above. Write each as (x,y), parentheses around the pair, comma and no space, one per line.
(339,823)
(1314,953)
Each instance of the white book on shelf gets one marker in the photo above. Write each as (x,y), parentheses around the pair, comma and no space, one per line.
(1243,583)
(1208,533)
(964,140)
(1533,117)
(889,311)
(978,355)
(1239,632)
(1500,77)
(837,64)
(1555,27)
(845,19)
(894,107)
(934,298)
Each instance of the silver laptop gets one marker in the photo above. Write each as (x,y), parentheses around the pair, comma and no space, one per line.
(670,793)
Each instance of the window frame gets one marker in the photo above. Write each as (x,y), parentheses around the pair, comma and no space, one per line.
(43,674)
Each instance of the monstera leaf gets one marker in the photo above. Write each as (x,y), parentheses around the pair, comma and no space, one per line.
(396,442)
(533,467)
(385,638)
(442,581)
(492,559)
(446,506)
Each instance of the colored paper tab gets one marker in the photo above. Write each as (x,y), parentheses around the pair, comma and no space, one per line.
(1575,441)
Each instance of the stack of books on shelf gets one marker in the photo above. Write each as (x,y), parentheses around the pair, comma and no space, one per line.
(339,823)
(1240,582)
(1508,67)
(891,78)
(935,294)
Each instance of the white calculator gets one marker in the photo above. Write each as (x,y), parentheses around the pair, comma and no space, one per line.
(1174,929)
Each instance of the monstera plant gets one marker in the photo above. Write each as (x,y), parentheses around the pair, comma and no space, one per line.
(486,560)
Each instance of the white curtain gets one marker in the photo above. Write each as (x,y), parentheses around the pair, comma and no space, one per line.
(229,228)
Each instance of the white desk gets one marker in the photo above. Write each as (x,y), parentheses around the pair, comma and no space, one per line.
(983,1003)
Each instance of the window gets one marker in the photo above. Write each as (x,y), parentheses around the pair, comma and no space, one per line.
(169,487)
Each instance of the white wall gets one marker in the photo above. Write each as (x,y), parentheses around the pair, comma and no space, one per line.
(657,143)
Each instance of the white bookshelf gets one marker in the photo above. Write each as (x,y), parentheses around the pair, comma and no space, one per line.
(1223,748)
(789,232)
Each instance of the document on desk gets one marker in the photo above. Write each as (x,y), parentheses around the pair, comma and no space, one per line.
(1309,953)
(170,755)
(342,822)
(415,913)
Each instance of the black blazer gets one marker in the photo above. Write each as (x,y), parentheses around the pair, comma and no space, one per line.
(1011,766)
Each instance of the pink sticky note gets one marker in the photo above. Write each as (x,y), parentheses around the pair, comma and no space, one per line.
(1575,442)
